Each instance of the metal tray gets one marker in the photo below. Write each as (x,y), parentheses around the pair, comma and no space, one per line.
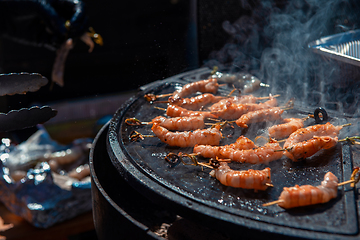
(344,47)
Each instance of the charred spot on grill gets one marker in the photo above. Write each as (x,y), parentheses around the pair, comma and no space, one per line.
(214,163)
(172,158)
(320,115)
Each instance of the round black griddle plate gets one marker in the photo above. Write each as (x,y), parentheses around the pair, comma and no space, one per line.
(192,192)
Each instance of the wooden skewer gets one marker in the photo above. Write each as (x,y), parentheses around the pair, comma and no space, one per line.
(347,182)
(272,203)
(163,109)
(151,97)
(263,98)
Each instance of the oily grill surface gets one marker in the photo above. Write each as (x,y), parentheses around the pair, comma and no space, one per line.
(192,192)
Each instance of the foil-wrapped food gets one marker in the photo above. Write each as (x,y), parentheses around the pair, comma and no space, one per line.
(43,181)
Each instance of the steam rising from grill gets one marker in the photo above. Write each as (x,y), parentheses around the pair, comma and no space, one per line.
(272,43)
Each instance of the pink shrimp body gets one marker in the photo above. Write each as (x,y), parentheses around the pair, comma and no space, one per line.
(206,86)
(261,115)
(319,130)
(308,195)
(308,148)
(196,103)
(180,123)
(176,111)
(283,130)
(211,136)
(220,105)
(209,151)
(234,111)
(249,179)
(263,154)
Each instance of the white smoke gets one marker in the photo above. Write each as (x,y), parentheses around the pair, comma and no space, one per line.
(272,43)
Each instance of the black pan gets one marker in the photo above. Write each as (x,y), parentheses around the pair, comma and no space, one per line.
(193,193)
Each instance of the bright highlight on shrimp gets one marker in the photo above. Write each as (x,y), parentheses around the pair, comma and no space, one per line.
(197,102)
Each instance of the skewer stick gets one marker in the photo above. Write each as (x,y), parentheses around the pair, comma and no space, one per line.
(152,97)
(135,122)
(272,203)
(134,136)
(351,140)
(283,149)
(162,109)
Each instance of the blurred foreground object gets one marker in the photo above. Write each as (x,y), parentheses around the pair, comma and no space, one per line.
(20,83)
(53,24)
(37,181)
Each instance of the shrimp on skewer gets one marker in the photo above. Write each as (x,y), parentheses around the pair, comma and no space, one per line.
(180,123)
(208,151)
(249,179)
(234,111)
(283,130)
(265,154)
(305,195)
(308,148)
(196,103)
(173,124)
(176,111)
(319,130)
(206,86)
(220,105)
(211,136)
(305,142)
(261,115)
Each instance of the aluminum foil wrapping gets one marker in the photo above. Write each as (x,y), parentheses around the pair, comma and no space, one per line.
(41,197)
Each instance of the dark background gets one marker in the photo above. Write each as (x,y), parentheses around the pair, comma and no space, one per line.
(144,41)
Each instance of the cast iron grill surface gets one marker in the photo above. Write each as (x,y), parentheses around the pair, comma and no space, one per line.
(192,192)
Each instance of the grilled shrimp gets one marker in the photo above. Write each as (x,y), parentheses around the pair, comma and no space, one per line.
(249,179)
(205,86)
(208,151)
(180,123)
(308,148)
(176,111)
(234,111)
(261,115)
(211,136)
(307,195)
(283,130)
(196,103)
(220,105)
(264,154)
(307,133)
